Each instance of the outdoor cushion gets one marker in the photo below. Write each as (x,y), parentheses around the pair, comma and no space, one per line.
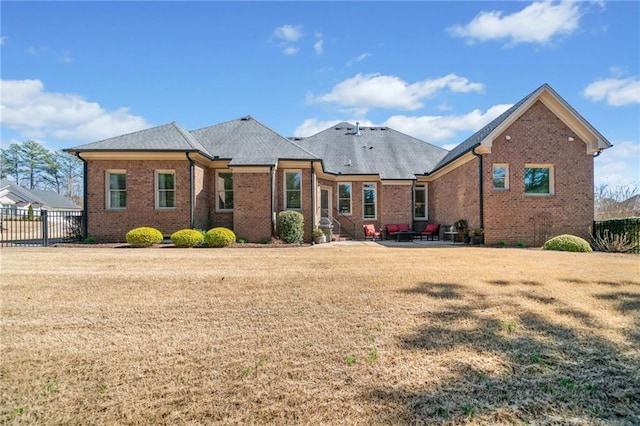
(392,228)
(403,227)
(432,227)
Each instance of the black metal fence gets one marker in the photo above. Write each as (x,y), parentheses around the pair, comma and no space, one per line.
(38,227)
(630,227)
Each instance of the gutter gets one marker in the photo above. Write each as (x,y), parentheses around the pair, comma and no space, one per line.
(85,197)
(481,184)
(273,200)
(313,198)
(191,190)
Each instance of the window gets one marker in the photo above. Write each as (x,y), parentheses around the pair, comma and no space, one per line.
(344,198)
(116,189)
(224,186)
(420,200)
(538,179)
(293,190)
(165,189)
(369,200)
(500,177)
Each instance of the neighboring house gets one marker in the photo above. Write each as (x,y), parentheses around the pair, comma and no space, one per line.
(524,177)
(18,199)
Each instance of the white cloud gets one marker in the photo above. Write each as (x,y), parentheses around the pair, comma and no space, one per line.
(318,46)
(288,33)
(540,22)
(2,40)
(384,91)
(290,50)
(616,91)
(443,128)
(358,58)
(618,165)
(35,113)
(63,56)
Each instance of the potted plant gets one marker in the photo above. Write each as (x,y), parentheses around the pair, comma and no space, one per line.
(477,235)
(318,236)
(461,225)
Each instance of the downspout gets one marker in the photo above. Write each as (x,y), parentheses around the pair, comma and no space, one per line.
(313,198)
(85,197)
(273,200)
(191,191)
(481,184)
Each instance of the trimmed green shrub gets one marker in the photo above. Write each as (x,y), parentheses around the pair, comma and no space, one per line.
(144,237)
(219,237)
(186,238)
(567,242)
(291,226)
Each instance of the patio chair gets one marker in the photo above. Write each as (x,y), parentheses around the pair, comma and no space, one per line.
(431,231)
(370,232)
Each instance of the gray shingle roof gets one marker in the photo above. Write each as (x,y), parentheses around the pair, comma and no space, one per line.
(376,151)
(246,141)
(46,198)
(168,137)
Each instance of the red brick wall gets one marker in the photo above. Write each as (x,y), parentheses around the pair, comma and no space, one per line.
(455,196)
(252,206)
(395,204)
(112,225)
(538,136)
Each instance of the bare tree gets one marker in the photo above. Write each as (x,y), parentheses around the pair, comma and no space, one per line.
(620,201)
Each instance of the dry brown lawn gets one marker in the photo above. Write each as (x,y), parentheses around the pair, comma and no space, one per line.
(332,334)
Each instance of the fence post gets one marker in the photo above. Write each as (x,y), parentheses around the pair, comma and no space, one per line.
(45,228)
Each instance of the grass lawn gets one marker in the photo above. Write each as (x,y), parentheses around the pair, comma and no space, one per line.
(330,334)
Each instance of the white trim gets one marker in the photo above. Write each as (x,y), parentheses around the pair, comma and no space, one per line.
(425,189)
(157,190)
(506,176)
(107,192)
(375,201)
(284,189)
(552,180)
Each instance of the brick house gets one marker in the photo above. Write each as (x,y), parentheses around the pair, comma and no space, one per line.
(524,177)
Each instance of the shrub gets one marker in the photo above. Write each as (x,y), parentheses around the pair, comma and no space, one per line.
(219,237)
(185,238)
(614,243)
(143,237)
(567,242)
(291,225)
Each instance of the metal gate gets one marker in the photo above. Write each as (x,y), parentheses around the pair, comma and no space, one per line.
(19,227)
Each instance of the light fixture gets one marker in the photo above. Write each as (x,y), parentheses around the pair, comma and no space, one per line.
(508,137)
(570,139)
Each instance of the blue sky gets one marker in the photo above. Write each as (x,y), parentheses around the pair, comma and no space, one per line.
(77,72)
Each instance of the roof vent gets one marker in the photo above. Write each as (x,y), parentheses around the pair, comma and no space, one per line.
(338,128)
(247,118)
(357,129)
(348,163)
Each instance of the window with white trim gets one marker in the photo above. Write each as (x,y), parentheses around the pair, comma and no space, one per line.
(224,188)
(500,177)
(116,189)
(538,179)
(420,202)
(369,195)
(165,189)
(344,198)
(293,190)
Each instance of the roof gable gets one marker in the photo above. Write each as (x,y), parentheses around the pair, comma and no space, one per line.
(483,138)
